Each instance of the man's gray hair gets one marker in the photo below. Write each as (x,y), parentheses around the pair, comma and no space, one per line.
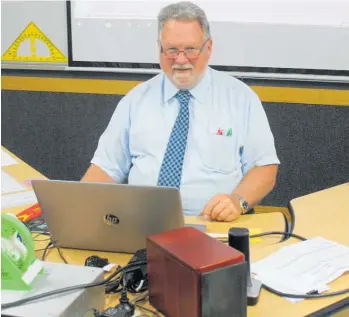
(184,11)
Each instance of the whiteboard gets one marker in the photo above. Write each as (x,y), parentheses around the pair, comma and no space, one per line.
(308,34)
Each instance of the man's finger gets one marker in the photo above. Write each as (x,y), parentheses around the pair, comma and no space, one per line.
(231,217)
(217,210)
(224,214)
(210,206)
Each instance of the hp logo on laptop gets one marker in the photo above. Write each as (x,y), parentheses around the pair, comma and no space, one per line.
(111,220)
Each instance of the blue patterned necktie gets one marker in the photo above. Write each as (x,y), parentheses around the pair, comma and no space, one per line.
(171,168)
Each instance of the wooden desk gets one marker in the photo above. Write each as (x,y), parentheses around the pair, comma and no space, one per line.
(269,304)
(326,212)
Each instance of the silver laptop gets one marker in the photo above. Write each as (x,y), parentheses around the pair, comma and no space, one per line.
(107,217)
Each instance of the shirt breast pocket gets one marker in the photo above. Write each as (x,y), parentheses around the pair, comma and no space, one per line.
(219,153)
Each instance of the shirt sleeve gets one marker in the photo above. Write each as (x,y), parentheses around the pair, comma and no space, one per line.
(113,154)
(259,147)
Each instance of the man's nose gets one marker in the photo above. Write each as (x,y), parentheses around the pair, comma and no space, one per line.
(181,58)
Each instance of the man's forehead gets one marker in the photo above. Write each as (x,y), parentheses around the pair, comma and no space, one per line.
(182,27)
(182,33)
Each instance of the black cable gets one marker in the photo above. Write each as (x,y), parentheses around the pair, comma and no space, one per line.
(52,245)
(278,233)
(45,250)
(61,255)
(134,266)
(113,287)
(269,233)
(308,296)
(71,288)
(113,282)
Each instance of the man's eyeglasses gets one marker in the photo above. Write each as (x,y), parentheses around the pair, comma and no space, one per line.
(190,52)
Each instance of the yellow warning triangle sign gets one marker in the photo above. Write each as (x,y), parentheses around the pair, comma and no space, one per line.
(33,34)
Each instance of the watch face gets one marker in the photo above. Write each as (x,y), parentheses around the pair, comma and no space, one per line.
(245,205)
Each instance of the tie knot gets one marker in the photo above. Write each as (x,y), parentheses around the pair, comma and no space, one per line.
(183,96)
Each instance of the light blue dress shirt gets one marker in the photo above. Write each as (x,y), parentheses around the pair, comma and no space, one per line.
(228,135)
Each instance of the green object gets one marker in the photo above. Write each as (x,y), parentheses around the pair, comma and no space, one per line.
(230,132)
(19,266)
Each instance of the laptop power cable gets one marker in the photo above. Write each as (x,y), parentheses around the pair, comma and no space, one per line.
(124,309)
(135,280)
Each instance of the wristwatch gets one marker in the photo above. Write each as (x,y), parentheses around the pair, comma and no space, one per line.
(243,204)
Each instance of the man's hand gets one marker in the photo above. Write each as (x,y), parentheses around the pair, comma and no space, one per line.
(222,207)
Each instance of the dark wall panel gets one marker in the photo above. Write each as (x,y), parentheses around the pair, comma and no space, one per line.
(57,134)
(312,142)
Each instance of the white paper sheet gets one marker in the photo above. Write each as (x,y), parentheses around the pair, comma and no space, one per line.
(18,199)
(303,267)
(6,159)
(9,184)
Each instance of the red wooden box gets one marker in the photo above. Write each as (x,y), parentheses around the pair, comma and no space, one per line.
(193,275)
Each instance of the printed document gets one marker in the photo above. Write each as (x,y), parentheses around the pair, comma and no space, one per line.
(303,267)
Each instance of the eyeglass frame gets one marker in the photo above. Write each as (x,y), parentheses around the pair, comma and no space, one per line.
(184,51)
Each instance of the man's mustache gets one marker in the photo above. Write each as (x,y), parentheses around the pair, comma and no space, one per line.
(185,66)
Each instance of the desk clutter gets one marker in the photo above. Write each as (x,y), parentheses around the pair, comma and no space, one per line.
(183,272)
(178,264)
(182,260)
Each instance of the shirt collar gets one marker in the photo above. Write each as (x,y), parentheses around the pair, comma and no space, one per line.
(200,92)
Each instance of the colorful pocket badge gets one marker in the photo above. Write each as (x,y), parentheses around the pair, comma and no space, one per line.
(220,131)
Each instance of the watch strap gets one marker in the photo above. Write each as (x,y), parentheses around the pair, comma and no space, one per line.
(243,203)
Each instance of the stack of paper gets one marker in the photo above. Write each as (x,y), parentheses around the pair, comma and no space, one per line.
(304,267)
(27,197)
(9,184)
(6,159)
(13,193)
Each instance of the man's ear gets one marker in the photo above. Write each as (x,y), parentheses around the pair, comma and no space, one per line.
(209,47)
(159,45)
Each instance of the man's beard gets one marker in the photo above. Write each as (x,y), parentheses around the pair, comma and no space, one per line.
(183,76)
